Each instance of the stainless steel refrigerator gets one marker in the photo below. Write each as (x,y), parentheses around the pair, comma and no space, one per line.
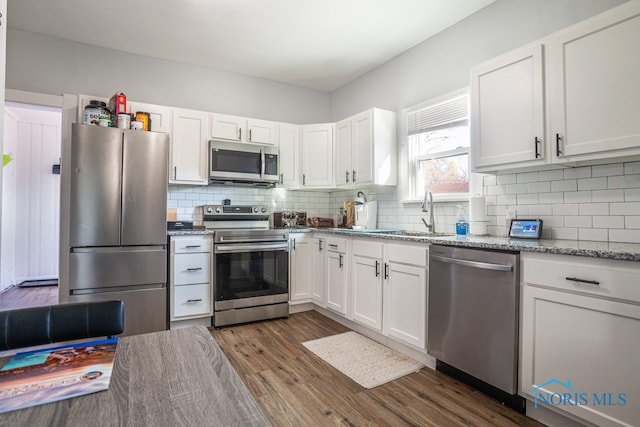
(117,222)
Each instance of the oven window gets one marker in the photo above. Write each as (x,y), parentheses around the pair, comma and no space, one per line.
(235,161)
(251,274)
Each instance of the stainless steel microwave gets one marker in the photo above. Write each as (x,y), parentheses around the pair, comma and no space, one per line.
(242,162)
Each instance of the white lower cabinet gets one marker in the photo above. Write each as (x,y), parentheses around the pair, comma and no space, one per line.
(318,294)
(366,283)
(405,294)
(336,275)
(300,266)
(580,337)
(190,284)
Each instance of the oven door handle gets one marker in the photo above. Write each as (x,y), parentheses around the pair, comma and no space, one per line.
(251,247)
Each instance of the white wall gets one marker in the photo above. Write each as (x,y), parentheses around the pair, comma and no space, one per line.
(55,66)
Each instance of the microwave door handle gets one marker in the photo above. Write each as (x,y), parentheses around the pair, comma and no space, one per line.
(262,160)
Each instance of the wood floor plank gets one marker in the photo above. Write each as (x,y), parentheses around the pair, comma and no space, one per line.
(295,387)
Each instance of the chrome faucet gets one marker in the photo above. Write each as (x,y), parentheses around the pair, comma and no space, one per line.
(427,206)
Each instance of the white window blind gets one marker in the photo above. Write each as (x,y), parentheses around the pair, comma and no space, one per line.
(451,113)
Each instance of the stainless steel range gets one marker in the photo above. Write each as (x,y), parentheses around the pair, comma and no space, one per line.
(250,265)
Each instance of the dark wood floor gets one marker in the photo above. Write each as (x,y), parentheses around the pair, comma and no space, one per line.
(296,388)
(37,296)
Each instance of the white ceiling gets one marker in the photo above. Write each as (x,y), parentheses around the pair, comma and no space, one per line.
(320,44)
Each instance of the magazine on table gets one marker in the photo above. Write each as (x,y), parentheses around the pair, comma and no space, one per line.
(48,375)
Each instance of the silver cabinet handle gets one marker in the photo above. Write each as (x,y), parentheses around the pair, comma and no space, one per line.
(377,268)
(536,141)
(240,134)
(281,178)
(304,179)
(192,301)
(353,176)
(192,246)
(194,269)
(249,135)
(589,282)
(333,245)
(320,245)
(386,271)
(294,244)
(340,260)
(558,139)
(473,264)
(175,172)
(346,176)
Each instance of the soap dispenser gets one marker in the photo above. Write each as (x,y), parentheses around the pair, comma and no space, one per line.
(462,226)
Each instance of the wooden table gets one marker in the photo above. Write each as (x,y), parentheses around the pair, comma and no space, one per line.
(170,378)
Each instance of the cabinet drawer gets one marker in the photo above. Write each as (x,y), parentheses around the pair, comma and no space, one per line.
(191,300)
(404,254)
(594,276)
(335,244)
(190,244)
(367,248)
(191,268)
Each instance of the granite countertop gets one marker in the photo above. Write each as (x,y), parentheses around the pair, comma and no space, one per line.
(610,250)
(188,232)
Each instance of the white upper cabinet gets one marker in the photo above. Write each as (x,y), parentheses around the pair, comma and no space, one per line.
(189,143)
(289,152)
(242,129)
(159,115)
(594,87)
(590,114)
(317,156)
(507,103)
(366,149)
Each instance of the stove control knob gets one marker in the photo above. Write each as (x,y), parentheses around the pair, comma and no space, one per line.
(209,210)
(218,210)
(263,210)
(255,210)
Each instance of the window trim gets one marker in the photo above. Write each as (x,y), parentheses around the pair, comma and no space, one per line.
(475,180)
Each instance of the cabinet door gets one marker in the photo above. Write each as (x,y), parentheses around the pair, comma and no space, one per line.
(261,131)
(336,282)
(189,143)
(227,127)
(405,303)
(301,265)
(318,291)
(594,87)
(289,152)
(366,291)
(362,149)
(317,155)
(160,116)
(343,154)
(507,110)
(584,346)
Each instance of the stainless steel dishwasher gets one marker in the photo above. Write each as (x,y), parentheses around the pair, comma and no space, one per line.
(473,318)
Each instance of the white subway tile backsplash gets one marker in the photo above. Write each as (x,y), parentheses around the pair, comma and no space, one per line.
(539,210)
(607,170)
(578,221)
(582,172)
(594,234)
(552,198)
(607,195)
(516,188)
(506,179)
(528,199)
(494,190)
(628,208)
(538,187)
(551,175)
(566,209)
(592,183)
(594,209)
(577,197)
(509,199)
(552,221)
(600,221)
(632,221)
(565,185)
(625,236)
(527,177)
(488,180)
(632,194)
(624,181)
(632,168)
(564,233)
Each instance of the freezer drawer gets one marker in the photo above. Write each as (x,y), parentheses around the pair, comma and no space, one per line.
(99,268)
(145,310)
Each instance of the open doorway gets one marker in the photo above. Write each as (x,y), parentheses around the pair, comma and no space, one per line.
(30,206)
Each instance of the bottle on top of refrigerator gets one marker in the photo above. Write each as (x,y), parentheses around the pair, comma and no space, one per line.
(462,226)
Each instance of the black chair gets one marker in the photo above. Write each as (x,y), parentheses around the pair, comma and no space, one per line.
(55,323)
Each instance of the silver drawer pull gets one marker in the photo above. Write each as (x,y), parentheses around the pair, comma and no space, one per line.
(589,282)
(192,301)
(194,269)
(192,246)
(331,245)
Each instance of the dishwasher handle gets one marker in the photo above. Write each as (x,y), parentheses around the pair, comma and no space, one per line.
(473,264)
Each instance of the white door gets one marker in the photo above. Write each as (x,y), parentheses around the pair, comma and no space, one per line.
(289,152)
(594,86)
(189,142)
(261,131)
(335,282)
(343,153)
(362,150)
(317,155)
(301,267)
(227,127)
(405,303)
(159,115)
(317,275)
(366,291)
(507,110)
